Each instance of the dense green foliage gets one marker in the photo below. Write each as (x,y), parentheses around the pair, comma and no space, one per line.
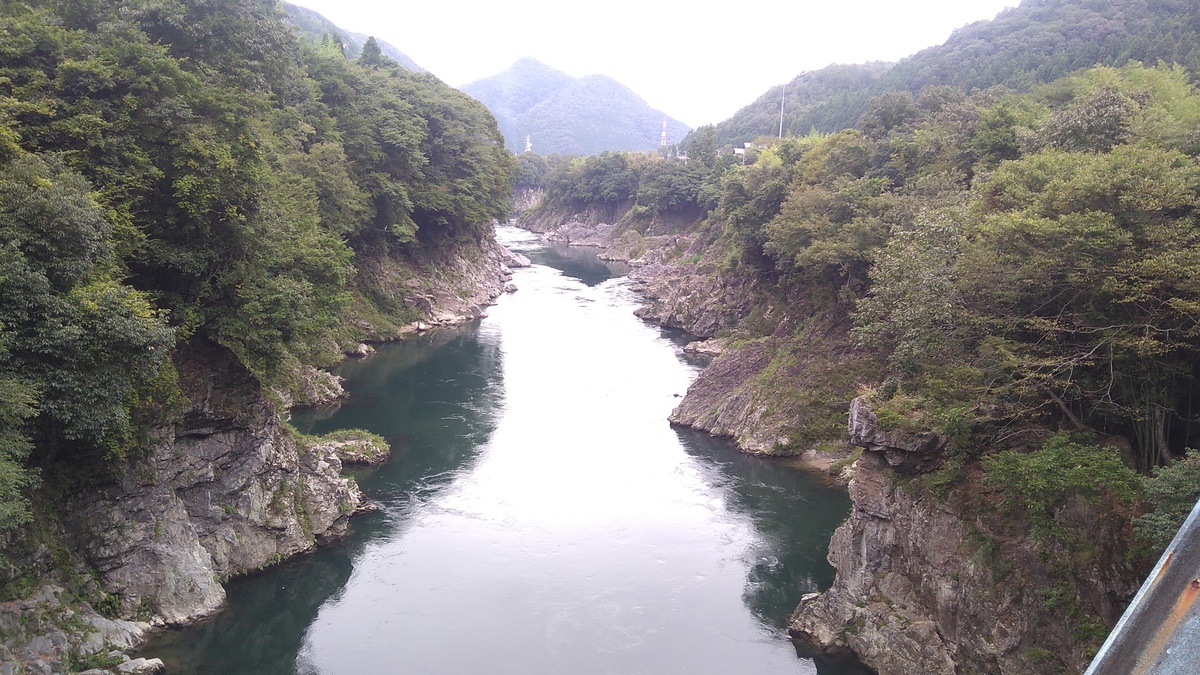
(185,170)
(570,116)
(1037,485)
(650,184)
(1040,41)
(1173,492)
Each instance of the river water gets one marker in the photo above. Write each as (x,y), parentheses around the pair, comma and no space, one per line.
(539,514)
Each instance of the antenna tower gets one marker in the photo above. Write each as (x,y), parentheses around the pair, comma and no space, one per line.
(782,100)
(663,143)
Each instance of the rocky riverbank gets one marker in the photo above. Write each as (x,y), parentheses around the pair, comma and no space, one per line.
(228,488)
(764,389)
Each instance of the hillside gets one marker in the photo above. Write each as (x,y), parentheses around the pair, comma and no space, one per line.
(316,26)
(213,211)
(567,115)
(1037,42)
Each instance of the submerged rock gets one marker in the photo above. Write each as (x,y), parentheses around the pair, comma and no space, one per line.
(354,448)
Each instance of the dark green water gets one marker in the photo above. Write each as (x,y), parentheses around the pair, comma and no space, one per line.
(539,515)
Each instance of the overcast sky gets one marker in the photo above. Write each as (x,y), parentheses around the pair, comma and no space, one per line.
(697,61)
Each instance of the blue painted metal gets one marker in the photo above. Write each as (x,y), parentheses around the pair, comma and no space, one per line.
(1159,633)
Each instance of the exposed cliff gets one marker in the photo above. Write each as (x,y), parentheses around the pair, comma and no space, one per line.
(926,584)
(226,491)
(397,296)
(777,395)
(593,223)
(524,199)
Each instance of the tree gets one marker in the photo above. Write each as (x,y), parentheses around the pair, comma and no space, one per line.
(372,56)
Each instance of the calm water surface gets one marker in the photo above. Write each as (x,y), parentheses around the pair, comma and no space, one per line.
(538,515)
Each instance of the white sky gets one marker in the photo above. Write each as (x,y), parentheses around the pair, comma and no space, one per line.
(697,61)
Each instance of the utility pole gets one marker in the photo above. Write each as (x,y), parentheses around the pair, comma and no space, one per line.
(782,98)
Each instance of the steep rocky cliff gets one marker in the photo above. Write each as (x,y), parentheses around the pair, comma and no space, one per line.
(225,491)
(926,583)
(593,223)
(455,283)
(524,199)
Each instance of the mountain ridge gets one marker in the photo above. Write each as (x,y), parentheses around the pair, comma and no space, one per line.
(314,25)
(569,115)
(1034,43)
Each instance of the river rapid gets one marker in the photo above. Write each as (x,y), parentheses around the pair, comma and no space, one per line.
(539,514)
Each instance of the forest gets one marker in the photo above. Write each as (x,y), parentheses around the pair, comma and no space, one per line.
(1040,41)
(1017,269)
(180,174)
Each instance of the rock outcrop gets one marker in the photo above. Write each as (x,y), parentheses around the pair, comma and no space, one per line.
(355,448)
(585,223)
(900,448)
(724,401)
(775,397)
(525,199)
(226,491)
(922,586)
(455,285)
(699,299)
(45,631)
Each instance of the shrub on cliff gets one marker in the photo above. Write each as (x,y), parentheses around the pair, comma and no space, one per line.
(1171,492)
(1034,487)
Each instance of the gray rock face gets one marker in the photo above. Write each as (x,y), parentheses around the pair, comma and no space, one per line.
(701,301)
(525,199)
(464,283)
(316,387)
(514,259)
(590,220)
(40,632)
(724,401)
(710,347)
(141,667)
(888,550)
(916,593)
(225,492)
(582,234)
(899,447)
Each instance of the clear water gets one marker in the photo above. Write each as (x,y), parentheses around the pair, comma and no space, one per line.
(539,514)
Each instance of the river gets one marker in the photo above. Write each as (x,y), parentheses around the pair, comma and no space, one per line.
(539,514)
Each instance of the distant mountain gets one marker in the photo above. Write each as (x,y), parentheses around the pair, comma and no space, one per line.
(568,115)
(316,27)
(1039,41)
